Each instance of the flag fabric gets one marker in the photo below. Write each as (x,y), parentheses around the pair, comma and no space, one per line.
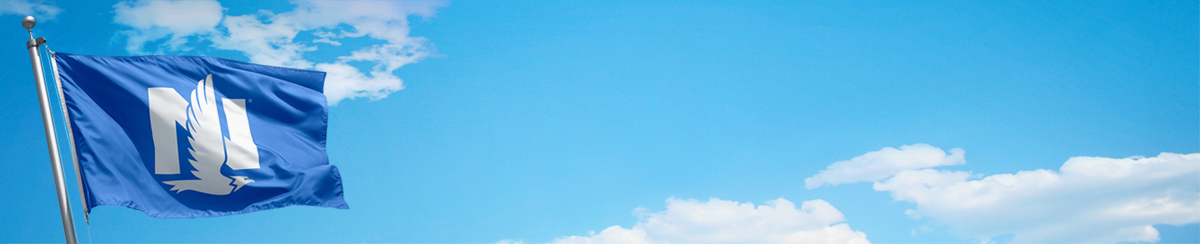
(187,137)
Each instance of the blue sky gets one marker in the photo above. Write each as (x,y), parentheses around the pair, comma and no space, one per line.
(551,121)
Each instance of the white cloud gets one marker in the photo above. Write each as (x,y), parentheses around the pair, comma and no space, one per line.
(175,20)
(722,221)
(1089,199)
(270,38)
(36,8)
(881,164)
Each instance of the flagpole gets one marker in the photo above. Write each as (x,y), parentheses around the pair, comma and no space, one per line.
(64,208)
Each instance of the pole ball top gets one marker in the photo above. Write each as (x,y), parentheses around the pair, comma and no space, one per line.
(28,22)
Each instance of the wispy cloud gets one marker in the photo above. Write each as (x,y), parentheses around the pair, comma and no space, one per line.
(36,8)
(176,21)
(1089,199)
(722,221)
(269,38)
(886,162)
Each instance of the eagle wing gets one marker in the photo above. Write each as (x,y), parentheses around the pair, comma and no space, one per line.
(207,143)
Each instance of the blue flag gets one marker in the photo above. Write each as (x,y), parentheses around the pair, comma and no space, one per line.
(187,137)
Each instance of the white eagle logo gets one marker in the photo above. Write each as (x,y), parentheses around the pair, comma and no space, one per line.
(209,148)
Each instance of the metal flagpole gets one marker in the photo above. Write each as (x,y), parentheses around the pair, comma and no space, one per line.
(48,122)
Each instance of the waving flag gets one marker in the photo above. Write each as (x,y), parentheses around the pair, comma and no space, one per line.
(187,137)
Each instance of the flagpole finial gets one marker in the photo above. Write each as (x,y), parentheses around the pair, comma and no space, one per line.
(28,23)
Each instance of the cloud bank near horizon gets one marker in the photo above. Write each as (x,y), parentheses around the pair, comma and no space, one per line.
(269,38)
(723,221)
(1088,199)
